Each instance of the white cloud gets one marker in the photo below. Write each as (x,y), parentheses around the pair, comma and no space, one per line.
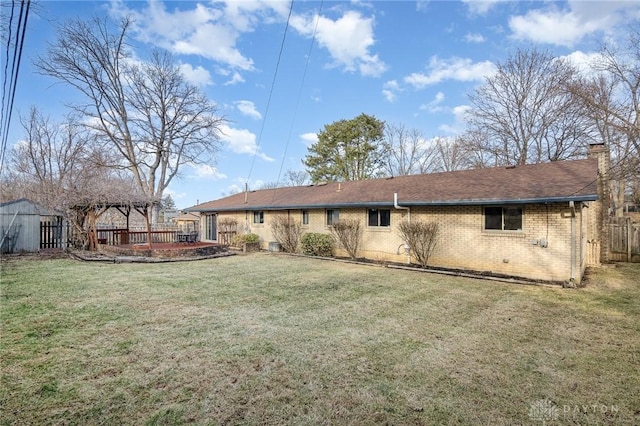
(459,122)
(205,171)
(390,90)
(242,183)
(348,40)
(212,30)
(259,183)
(481,7)
(175,195)
(309,138)
(189,32)
(235,79)
(586,63)
(569,25)
(197,76)
(241,141)
(474,38)
(434,105)
(248,108)
(460,69)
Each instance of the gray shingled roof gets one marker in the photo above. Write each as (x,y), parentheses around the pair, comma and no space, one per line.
(536,183)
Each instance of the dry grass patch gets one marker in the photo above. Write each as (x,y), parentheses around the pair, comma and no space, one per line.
(265,339)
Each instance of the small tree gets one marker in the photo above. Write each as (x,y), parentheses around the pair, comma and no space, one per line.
(287,232)
(421,237)
(347,233)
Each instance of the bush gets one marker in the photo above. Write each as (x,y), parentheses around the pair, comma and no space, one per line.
(240,240)
(347,233)
(316,244)
(287,232)
(251,238)
(421,238)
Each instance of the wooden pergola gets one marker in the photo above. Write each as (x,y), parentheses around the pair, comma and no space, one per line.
(91,211)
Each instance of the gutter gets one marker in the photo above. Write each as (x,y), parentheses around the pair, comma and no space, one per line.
(464,202)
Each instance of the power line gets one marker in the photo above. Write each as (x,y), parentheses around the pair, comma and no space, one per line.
(273,82)
(15,70)
(6,74)
(304,75)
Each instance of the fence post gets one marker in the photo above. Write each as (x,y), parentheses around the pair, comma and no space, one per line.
(629,238)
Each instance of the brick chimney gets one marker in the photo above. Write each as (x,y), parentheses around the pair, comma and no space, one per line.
(600,151)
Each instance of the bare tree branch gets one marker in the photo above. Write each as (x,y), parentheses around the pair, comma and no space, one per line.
(147,112)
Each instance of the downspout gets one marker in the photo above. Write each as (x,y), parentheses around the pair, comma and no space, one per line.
(408,209)
(572,280)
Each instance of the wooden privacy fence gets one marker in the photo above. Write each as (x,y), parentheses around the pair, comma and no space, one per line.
(53,234)
(624,240)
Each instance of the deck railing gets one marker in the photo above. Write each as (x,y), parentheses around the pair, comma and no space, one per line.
(122,236)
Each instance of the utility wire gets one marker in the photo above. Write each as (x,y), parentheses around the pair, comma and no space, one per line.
(295,111)
(5,89)
(273,83)
(17,56)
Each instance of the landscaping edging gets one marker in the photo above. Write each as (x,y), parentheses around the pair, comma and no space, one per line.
(441,271)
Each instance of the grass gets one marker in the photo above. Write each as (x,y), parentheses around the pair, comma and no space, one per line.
(267,339)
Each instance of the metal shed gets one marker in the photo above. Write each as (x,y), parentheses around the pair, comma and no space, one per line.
(26,226)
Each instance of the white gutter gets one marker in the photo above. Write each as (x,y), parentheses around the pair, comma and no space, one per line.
(408,209)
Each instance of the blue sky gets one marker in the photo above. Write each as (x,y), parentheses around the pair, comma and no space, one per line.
(404,62)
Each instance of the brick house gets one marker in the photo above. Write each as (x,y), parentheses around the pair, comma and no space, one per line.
(539,221)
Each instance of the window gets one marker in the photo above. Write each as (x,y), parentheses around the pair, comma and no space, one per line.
(305,217)
(503,218)
(379,217)
(258,217)
(332,216)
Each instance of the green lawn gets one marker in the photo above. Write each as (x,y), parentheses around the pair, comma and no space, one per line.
(269,339)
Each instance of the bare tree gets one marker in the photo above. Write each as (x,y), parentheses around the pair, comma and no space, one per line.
(451,154)
(612,97)
(525,112)
(60,166)
(407,152)
(422,238)
(291,178)
(625,165)
(147,112)
(287,232)
(55,161)
(348,233)
(621,67)
(296,178)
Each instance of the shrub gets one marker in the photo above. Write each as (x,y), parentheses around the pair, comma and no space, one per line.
(421,237)
(347,233)
(287,232)
(251,238)
(316,244)
(240,240)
